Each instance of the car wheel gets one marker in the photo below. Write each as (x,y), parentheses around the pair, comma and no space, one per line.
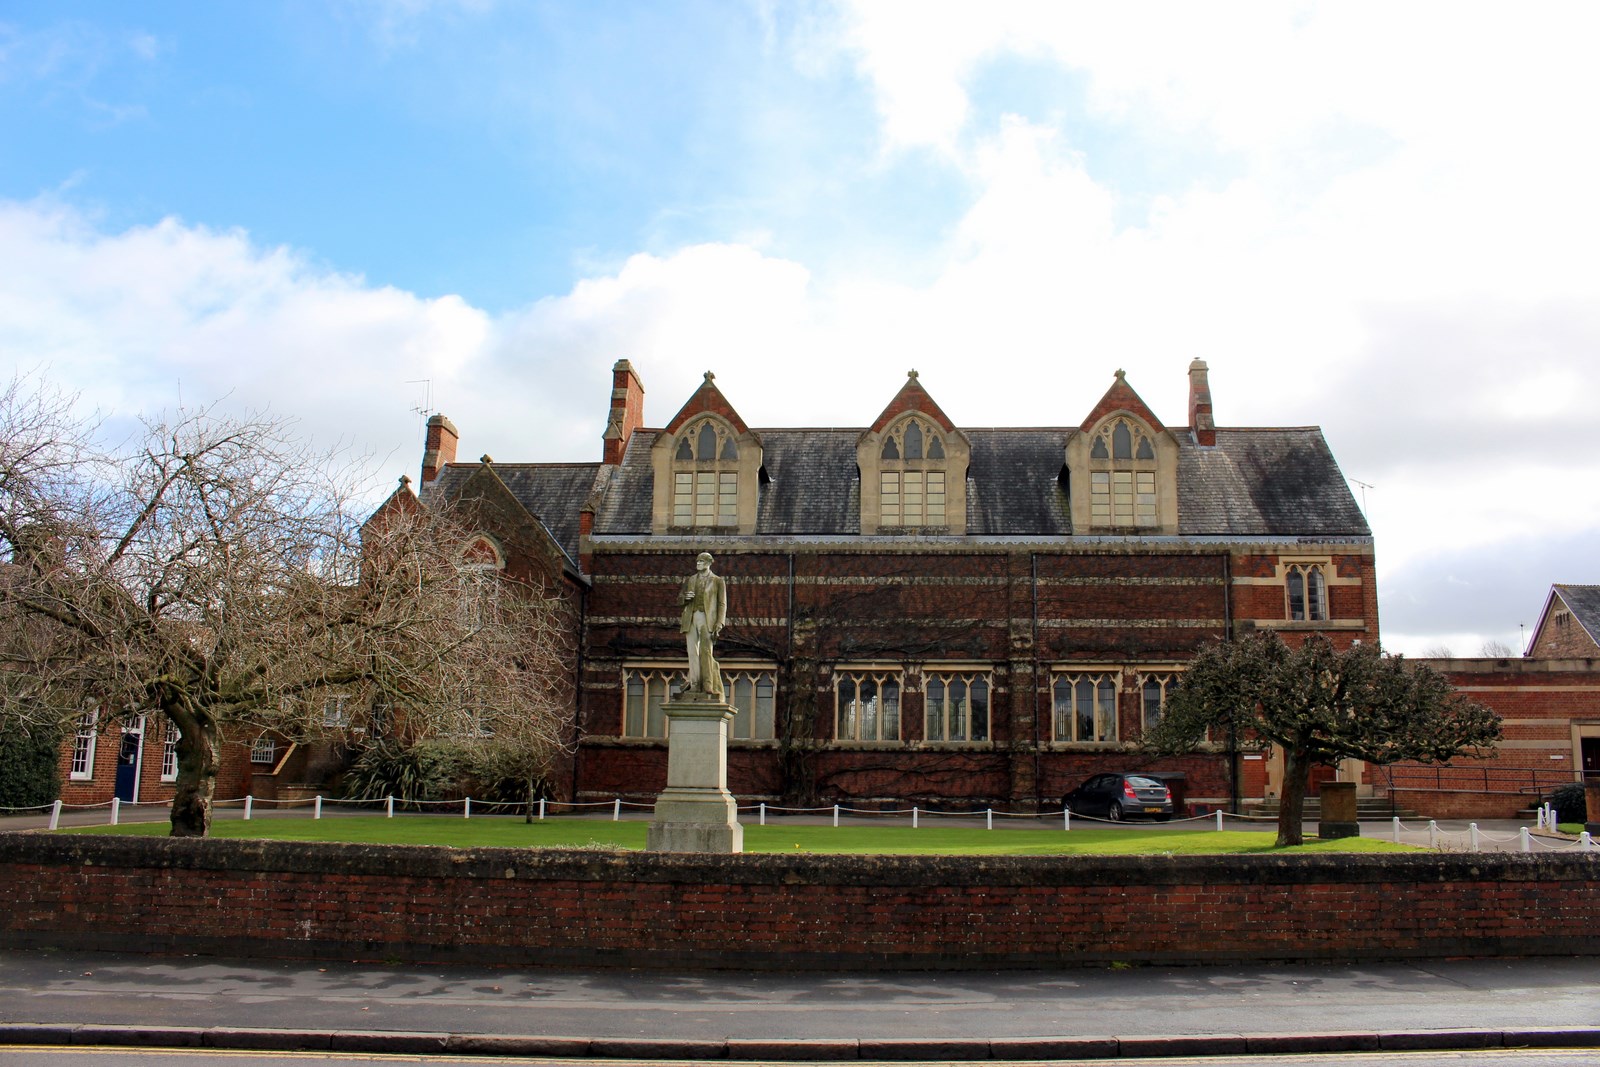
(1114,812)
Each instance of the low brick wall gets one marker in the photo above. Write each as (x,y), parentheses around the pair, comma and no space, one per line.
(630,909)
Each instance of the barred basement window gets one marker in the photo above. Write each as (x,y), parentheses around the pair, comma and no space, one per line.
(707,493)
(1086,706)
(83,742)
(956,706)
(1307,591)
(867,705)
(750,691)
(263,750)
(169,752)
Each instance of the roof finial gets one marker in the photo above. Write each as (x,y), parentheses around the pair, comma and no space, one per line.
(911,373)
(486,459)
(1121,374)
(405,480)
(710,377)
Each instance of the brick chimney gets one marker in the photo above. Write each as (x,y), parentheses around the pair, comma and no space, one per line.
(1200,422)
(627,411)
(440,448)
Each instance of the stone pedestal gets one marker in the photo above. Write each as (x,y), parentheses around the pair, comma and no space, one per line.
(696,813)
(1338,811)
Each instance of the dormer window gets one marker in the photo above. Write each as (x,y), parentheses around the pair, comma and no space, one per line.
(705,476)
(911,476)
(1122,476)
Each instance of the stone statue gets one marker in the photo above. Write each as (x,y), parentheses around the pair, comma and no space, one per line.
(705,609)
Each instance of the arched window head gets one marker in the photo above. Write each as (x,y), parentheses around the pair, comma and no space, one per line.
(706,448)
(912,482)
(1306,590)
(1122,476)
(705,476)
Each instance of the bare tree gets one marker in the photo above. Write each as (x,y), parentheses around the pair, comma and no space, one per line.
(216,572)
(1494,648)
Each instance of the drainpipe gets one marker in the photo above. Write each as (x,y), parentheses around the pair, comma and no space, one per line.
(577,703)
(1227,635)
(1038,757)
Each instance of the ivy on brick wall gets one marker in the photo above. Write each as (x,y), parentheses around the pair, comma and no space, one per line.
(29,769)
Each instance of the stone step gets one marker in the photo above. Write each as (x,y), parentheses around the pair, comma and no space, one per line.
(1369,808)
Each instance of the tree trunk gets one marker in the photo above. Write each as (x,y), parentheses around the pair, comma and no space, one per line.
(527,812)
(1291,805)
(199,756)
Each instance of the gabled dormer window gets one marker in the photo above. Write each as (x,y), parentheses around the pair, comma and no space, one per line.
(1123,483)
(911,476)
(705,475)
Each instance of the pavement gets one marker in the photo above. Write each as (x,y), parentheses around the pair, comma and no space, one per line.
(76,998)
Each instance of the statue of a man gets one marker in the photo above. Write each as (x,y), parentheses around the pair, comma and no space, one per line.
(705,609)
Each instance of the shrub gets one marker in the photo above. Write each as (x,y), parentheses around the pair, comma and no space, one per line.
(30,774)
(1569,802)
(430,770)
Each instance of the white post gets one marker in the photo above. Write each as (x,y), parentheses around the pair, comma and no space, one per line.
(248,801)
(616,810)
(1527,840)
(1219,819)
(1433,833)
(1066,819)
(763,813)
(316,812)
(1397,829)
(988,818)
(116,810)
(55,815)
(1584,841)
(1472,827)
(541,809)
(388,807)
(913,816)
(466,808)
(836,815)
(1539,818)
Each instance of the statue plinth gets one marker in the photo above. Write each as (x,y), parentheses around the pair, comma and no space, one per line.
(696,813)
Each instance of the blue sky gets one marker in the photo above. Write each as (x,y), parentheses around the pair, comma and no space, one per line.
(1379,219)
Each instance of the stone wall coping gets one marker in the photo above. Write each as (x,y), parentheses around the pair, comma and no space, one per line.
(613,866)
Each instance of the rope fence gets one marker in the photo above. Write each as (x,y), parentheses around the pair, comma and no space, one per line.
(1542,837)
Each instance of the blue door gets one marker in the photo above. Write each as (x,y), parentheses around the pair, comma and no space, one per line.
(128,764)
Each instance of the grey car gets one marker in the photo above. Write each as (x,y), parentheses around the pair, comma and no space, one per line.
(1121,796)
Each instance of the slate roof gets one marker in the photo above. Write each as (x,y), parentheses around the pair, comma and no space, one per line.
(1584,603)
(1254,482)
(553,492)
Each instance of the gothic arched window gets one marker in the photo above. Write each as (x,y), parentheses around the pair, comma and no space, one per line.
(911,478)
(705,475)
(1122,476)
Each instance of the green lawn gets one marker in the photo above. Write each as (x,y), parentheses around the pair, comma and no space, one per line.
(876,840)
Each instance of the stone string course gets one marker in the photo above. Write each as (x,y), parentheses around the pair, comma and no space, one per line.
(628,909)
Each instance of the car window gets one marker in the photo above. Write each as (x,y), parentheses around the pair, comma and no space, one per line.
(1138,781)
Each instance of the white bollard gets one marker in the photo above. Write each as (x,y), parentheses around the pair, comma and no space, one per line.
(1527,840)
(1433,833)
(55,815)
(988,818)
(541,809)
(1066,819)
(763,813)
(1397,829)
(388,807)
(836,815)
(316,812)
(616,810)
(1219,820)
(116,810)
(1472,828)
(248,801)
(913,817)
(466,808)
(1584,841)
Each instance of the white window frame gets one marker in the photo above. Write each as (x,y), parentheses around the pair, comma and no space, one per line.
(335,710)
(85,738)
(263,750)
(948,705)
(1097,677)
(169,752)
(851,719)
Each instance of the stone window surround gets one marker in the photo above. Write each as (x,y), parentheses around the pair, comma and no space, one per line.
(881,674)
(1093,672)
(671,670)
(945,673)
(872,465)
(1165,465)
(666,466)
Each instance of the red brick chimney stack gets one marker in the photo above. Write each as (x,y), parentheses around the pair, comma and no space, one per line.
(440,448)
(1200,421)
(627,410)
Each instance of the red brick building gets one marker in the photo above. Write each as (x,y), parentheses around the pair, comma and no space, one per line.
(922,612)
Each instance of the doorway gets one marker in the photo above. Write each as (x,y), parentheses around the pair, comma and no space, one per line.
(130,758)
